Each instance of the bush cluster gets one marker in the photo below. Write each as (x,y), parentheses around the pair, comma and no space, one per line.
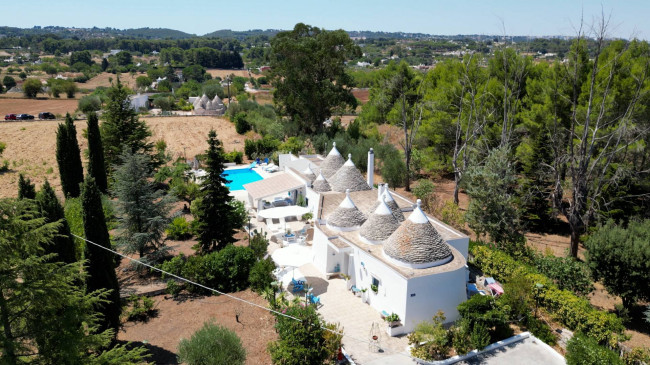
(142,308)
(226,270)
(179,229)
(261,147)
(234,156)
(572,311)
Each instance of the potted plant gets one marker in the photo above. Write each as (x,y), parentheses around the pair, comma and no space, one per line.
(374,288)
(307,216)
(346,277)
(394,327)
(392,319)
(364,296)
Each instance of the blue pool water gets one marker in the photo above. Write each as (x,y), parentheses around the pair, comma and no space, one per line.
(239,177)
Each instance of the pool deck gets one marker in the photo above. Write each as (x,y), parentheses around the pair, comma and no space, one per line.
(242,194)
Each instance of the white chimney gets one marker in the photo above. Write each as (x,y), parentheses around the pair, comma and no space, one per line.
(371,168)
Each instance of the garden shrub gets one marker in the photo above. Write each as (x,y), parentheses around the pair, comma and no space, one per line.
(142,308)
(451,214)
(234,156)
(540,330)
(212,344)
(480,336)
(259,244)
(566,272)
(241,124)
(179,229)
(261,275)
(574,312)
(487,311)
(584,350)
(261,148)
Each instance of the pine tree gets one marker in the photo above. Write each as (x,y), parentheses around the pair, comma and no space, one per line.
(122,128)
(101,265)
(68,157)
(537,184)
(213,210)
(62,244)
(46,318)
(26,190)
(96,166)
(142,209)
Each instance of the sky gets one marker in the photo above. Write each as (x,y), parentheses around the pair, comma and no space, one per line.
(627,18)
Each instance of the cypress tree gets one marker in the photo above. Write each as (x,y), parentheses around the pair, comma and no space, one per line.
(215,228)
(26,190)
(52,210)
(96,167)
(101,265)
(68,157)
(122,128)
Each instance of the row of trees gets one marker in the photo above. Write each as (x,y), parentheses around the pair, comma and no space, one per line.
(528,139)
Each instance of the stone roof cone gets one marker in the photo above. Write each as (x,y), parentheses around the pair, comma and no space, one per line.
(348,177)
(347,217)
(416,243)
(379,226)
(385,195)
(332,162)
(309,173)
(320,185)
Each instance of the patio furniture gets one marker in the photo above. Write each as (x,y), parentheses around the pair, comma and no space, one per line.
(270,166)
(496,289)
(489,280)
(473,290)
(274,228)
(384,314)
(253,165)
(313,299)
(266,161)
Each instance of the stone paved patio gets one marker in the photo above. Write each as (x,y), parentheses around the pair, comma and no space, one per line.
(356,318)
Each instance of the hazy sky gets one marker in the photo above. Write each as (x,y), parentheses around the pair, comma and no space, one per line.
(522,17)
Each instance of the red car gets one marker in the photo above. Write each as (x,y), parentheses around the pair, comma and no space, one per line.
(10,117)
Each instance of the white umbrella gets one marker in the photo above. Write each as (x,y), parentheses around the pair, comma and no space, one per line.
(293,255)
(282,212)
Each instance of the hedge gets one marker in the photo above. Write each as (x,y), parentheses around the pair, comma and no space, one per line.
(572,311)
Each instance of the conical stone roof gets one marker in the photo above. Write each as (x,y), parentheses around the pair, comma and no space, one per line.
(379,226)
(416,243)
(348,177)
(309,173)
(346,217)
(332,162)
(320,185)
(385,195)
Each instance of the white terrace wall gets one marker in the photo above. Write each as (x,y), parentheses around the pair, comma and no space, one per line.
(392,286)
(428,294)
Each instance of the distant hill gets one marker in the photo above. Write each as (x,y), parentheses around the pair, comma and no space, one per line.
(156,33)
(227,33)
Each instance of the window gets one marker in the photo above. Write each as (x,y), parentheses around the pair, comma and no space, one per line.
(375,281)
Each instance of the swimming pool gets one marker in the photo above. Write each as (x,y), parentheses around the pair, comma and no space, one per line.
(239,177)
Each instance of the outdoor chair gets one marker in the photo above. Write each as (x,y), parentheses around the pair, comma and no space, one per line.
(266,161)
(314,299)
(297,287)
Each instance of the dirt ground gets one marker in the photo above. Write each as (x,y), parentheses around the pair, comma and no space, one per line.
(180,317)
(31,146)
(362,94)
(103,80)
(222,73)
(35,106)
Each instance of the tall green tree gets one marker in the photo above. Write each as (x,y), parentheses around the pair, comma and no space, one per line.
(101,264)
(308,73)
(68,157)
(214,203)
(52,210)
(142,209)
(493,208)
(45,317)
(122,127)
(608,93)
(620,257)
(397,98)
(96,166)
(26,190)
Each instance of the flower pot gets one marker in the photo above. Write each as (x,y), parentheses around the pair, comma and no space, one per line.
(395,331)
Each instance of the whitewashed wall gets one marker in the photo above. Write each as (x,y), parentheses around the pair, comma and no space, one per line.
(444,291)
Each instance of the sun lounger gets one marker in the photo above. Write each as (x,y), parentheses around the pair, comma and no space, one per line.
(253,165)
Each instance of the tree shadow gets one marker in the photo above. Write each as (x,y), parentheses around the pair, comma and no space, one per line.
(159,355)
(637,320)
(552,226)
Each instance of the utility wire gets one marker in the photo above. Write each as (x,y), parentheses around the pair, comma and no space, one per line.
(226,294)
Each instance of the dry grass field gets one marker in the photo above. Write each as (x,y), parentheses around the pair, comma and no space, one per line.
(103,79)
(222,73)
(18,105)
(31,146)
